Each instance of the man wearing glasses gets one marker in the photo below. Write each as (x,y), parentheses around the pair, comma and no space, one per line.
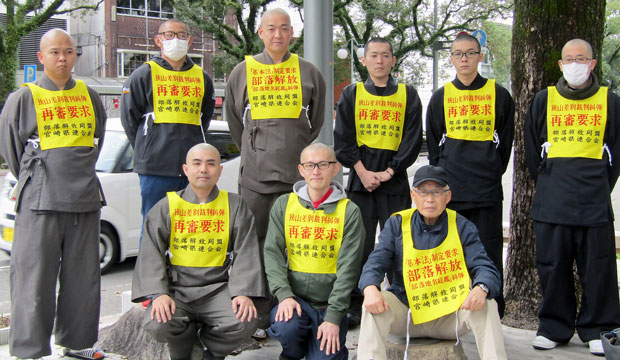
(469,129)
(436,255)
(166,107)
(313,254)
(572,134)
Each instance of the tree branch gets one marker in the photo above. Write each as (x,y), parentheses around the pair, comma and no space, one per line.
(614,55)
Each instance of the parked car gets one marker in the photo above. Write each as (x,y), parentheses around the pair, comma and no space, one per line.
(120,218)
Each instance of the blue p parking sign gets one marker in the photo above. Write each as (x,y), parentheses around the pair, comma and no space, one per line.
(30,73)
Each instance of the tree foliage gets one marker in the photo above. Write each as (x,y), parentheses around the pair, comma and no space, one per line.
(233,23)
(611,47)
(499,38)
(408,24)
(222,64)
(22,18)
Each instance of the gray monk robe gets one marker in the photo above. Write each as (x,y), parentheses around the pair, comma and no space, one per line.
(202,294)
(56,225)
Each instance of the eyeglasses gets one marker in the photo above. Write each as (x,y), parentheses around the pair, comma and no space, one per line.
(434,193)
(322,165)
(169,35)
(468,54)
(579,60)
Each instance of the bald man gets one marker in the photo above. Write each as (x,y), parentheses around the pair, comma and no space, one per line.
(273,122)
(572,146)
(50,135)
(469,128)
(198,263)
(313,257)
(166,107)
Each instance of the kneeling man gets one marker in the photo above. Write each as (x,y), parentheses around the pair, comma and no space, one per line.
(435,255)
(199,250)
(313,254)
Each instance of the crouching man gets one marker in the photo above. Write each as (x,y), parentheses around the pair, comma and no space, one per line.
(199,264)
(313,253)
(435,255)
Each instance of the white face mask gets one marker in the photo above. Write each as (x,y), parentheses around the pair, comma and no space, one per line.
(575,74)
(175,49)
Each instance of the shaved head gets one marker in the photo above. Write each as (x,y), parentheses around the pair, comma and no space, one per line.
(318,146)
(274,11)
(200,148)
(203,169)
(579,42)
(163,27)
(465,37)
(57,55)
(52,35)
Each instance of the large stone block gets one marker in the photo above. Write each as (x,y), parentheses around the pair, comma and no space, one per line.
(126,337)
(424,348)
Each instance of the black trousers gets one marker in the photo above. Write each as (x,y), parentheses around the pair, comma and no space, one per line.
(593,249)
(376,208)
(488,220)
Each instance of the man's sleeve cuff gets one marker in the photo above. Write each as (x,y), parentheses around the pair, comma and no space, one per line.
(284,294)
(333,317)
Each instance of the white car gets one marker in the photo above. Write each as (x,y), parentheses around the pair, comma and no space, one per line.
(121,219)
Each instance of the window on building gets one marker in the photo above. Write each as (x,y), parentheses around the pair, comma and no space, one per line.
(128,62)
(197,60)
(155,8)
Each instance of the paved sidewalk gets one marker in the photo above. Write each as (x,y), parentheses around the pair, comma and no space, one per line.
(518,347)
(517,342)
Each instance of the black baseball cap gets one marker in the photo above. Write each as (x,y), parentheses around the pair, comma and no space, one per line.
(430,173)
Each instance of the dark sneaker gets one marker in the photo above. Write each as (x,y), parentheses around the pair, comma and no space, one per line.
(353,320)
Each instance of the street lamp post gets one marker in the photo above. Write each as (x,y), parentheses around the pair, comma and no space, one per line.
(342,54)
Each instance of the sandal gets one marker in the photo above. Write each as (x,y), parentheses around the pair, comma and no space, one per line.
(86,354)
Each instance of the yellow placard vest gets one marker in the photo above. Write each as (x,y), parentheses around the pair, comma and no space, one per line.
(436,280)
(274,90)
(177,95)
(199,233)
(65,118)
(379,119)
(470,114)
(313,238)
(576,128)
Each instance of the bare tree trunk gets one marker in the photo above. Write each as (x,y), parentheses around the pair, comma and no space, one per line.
(540,30)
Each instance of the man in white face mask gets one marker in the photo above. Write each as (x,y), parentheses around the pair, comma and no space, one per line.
(576,124)
(166,107)
(577,63)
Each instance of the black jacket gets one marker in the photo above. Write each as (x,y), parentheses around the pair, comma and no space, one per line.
(572,191)
(160,149)
(474,168)
(348,153)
